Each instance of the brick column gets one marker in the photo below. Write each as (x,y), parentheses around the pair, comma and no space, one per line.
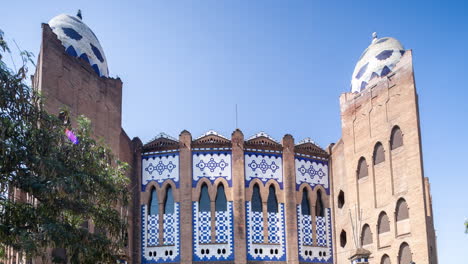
(185,197)
(289,178)
(238,184)
(136,200)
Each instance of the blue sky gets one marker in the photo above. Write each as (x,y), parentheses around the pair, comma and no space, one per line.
(186,64)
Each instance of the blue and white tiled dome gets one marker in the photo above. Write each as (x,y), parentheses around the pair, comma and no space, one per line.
(378,60)
(80,41)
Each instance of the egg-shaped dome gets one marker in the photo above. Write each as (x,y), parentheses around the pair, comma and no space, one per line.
(80,41)
(377,60)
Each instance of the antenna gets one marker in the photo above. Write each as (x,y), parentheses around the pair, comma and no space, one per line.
(237,126)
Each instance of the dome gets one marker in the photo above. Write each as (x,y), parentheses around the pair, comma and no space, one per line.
(80,41)
(377,60)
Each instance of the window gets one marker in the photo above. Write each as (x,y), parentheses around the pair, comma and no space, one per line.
(341,200)
(221,202)
(405,255)
(385,259)
(256,199)
(396,139)
(343,239)
(204,203)
(272,203)
(362,168)
(384,223)
(366,237)
(402,211)
(379,155)
(169,202)
(319,211)
(305,207)
(154,203)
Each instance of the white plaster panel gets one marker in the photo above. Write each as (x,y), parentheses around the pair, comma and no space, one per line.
(311,172)
(160,168)
(263,167)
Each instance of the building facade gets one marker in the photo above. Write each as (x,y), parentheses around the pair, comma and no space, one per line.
(214,199)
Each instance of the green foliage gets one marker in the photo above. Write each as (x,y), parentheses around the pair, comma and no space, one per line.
(466,227)
(69,183)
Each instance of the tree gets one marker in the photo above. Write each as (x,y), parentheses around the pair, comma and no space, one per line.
(64,182)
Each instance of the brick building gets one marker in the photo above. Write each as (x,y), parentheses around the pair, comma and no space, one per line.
(215,199)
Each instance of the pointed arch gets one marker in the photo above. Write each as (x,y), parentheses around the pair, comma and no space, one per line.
(383,224)
(366,235)
(362,168)
(404,254)
(341,199)
(169,201)
(154,202)
(396,138)
(256,199)
(385,259)
(204,202)
(379,153)
(305,204)
(272,201)
(221,201)
(402,211)
(319,208)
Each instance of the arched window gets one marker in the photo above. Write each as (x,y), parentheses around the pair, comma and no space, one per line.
(154,203)
(319,211)
(305,207)
(256,199)
(221,202)
(366,236)
(343,239)
(383,224)
(272,202)
(379,155)
(169,201)
(204,203)
(396,139)
(402,211)
(341,200)
(385,259)
(405,255)
(362,168)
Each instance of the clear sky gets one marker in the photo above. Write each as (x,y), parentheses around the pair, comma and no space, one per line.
(186,64)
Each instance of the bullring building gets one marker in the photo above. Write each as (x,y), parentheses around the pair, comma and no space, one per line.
(238,199)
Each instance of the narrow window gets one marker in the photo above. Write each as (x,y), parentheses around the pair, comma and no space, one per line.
(385,259)
(343,239)
(405,255)
(154,203)
(319,205)
(169,202)
(383,224)
(341,200)
(221,202)
(366,236)
(305,207)
(362,168)
(396,139)
(379,155)
(402,211)
(204,203)
(272,203)
(256,199)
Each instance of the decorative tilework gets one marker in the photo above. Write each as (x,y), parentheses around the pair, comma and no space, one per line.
(322,252)
(274,248)
(222,226)
(263,167)
(153,230)
(169,252)
(223,248)
(211,165)
(313,172)
(159,168)
(204,227)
